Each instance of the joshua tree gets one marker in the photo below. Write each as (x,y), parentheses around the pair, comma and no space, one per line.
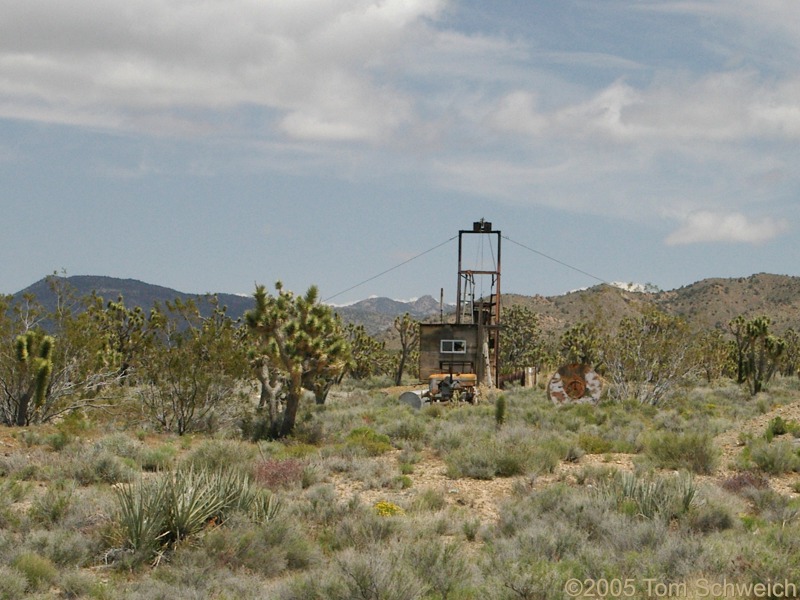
(762,354)
(408,329)
(25,383)
(302,341)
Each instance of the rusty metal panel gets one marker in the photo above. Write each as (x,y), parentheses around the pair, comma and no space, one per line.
(575,384)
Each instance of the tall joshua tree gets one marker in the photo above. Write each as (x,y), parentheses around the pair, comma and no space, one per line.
(408,329)
(25,387)
(762,354)
(301,339)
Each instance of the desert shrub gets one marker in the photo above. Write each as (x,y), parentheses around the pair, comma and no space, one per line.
(677,556)
(316,585)
(120,444)
(220,455)
(98,465)
(366,439)
(268,549)
(77,583)
(428,500)
(518,513)
(13,583)
(320,505)
(773,507)
(470,528)
(159,458)
(58,440)
(64,547)
(373,474)
(514,451)
(377,572)
(312,475)
(443,567)
(774,457)
(594,444)
(710,516)
(432,411)
(401,482)
(500,411)
(405,426)
(448,436)
(365,527)
(776,426)
(550,540)
(37,570)
(298,449)
(279,473)
(508,567)
(406,468)
(51,507)
(13,490)
(691,451)
(478,462)
(759,560)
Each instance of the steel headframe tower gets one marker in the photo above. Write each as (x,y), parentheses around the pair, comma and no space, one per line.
(483,311)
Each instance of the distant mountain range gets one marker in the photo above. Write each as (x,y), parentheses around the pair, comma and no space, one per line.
(707,303)
(376,314)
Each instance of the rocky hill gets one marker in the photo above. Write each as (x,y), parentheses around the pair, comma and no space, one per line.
(705,304)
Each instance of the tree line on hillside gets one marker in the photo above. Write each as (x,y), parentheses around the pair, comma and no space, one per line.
(190,370)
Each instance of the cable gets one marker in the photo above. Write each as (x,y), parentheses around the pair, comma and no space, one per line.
(555,260)
(389,269)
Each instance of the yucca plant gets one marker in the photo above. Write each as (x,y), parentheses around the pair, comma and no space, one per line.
(164,511)
(264,507)
(141,515)
(193,499)
(650,497)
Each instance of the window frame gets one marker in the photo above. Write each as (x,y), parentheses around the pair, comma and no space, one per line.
(456,346)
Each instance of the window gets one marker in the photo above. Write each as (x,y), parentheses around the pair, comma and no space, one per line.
(453,346)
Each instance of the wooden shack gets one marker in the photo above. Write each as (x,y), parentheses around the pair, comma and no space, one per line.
(450,348)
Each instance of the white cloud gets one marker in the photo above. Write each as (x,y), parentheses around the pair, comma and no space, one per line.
(517,113)
(317,64)
(576,126)
(708,226)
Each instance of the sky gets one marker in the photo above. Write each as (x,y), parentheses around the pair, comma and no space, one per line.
(210,145)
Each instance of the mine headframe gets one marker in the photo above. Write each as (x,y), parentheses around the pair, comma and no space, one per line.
(465,352)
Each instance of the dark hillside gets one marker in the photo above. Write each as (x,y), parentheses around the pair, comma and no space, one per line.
(134,293)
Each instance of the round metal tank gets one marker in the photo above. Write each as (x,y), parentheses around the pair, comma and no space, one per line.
(413,399)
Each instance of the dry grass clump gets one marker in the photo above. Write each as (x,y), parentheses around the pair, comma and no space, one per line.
(690,451)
